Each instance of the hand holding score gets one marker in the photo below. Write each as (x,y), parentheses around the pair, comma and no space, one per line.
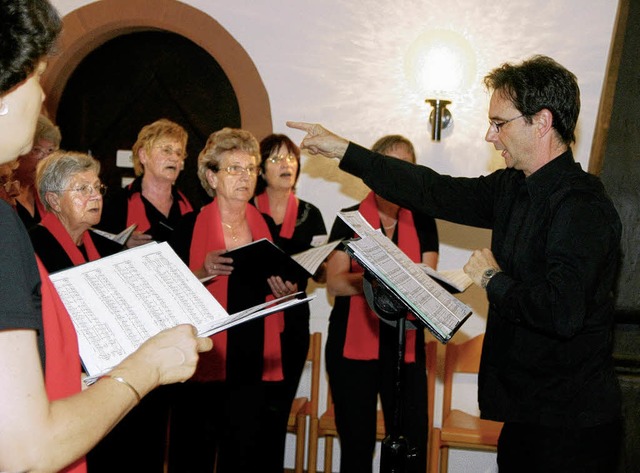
(321,141)
(281,288)
(216,265)
(478,263)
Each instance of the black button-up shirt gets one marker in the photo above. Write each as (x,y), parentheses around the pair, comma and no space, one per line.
(547,349)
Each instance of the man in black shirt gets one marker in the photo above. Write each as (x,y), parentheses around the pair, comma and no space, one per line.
(546,369)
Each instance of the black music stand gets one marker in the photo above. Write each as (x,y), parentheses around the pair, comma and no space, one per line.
(395,452)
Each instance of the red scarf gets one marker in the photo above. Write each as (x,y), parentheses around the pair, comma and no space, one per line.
(290,215)
(208,236)
(363,326)
(62,366)
(54,225)
(136,212)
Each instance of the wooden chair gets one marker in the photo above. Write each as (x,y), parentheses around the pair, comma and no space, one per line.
(459,429)
(303,407)
(325,426)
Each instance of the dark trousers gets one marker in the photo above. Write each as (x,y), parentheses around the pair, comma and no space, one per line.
(216,423)
(137,444)
(278,399)
(528,448)
(355,386)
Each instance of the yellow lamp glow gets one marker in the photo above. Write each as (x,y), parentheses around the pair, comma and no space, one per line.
(440,64)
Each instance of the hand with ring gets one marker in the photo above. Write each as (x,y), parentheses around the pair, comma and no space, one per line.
(216,265)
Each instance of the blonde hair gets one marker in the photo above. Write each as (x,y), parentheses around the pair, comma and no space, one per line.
(220,142)
(149,136)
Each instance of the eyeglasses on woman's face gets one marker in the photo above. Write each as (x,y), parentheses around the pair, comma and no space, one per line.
(87,190)
(279,158)
(239,170)
(167,151)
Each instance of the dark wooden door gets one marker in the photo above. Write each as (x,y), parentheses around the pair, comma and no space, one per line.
(135,79)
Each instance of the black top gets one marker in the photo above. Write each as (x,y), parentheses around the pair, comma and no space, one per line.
(52,254)
(245,342)
(28,220)
(20,296)
(547,348)
(116,207)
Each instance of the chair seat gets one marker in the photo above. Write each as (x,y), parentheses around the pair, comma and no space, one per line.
(468,429)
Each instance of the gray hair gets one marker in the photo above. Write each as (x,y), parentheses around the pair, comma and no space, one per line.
(56,170)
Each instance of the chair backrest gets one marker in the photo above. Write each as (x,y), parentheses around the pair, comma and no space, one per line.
(313,356)
(459,358)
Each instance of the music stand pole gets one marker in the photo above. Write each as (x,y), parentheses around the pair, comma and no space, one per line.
(395,448)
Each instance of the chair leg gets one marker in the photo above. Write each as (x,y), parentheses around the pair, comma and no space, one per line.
(434,450)
(312,456)
(328,454)
(301,432)
(444,460)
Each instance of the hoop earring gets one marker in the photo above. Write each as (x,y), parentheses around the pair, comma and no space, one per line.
(4,108)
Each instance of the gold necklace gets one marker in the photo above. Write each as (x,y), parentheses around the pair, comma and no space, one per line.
(389,227)
(234,237)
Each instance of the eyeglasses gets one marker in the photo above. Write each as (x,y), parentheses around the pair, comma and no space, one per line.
(167,151)
(497,126)
(87,189)
(289,158)
(42,152)
(239,170)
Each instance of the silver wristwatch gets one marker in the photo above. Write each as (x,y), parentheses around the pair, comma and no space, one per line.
(487,275)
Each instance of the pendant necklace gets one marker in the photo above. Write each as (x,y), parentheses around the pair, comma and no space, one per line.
(234,237)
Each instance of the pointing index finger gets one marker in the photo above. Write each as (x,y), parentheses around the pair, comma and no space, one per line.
(301,126)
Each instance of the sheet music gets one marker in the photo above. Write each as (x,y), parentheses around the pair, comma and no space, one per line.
(435,306)
(118,302)
(120,238)
(312,258)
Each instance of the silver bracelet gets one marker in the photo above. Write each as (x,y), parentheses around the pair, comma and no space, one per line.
(121,380)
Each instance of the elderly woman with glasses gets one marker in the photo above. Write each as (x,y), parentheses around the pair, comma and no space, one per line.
(70,189)
(223,408)
(299,226)
(151,201)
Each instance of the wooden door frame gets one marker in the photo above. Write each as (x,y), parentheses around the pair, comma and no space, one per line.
(90,26)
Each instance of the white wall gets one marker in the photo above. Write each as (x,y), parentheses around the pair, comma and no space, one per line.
(340,63)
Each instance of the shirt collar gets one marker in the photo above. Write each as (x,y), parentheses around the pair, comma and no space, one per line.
(542,182)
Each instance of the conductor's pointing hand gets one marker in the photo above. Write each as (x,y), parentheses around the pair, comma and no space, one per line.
(321,141)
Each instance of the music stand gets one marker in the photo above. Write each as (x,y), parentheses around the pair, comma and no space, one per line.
(395,451)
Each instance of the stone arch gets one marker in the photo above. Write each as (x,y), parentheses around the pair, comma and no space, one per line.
(92,25)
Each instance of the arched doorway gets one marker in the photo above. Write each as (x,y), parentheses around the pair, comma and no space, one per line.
(92,26)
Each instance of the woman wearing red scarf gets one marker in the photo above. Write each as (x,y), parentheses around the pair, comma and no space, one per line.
(69,186)
(224,407)
(361,350)
(151,201)
(299,226)
(47,422)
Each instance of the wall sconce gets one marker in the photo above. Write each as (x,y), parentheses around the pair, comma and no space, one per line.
(440,64)
(439,118)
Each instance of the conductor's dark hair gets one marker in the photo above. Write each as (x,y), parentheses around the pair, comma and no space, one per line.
(540,83)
